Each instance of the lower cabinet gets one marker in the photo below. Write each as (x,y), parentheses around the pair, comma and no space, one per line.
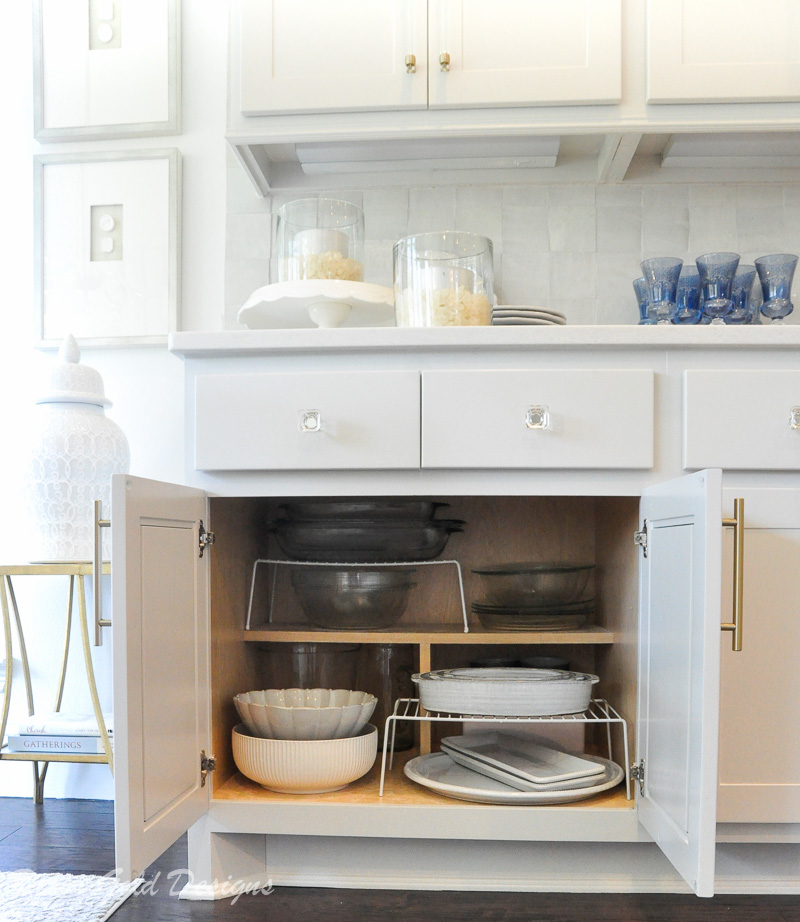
(182,652)
(759,755)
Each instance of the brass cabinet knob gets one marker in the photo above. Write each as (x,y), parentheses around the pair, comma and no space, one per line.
(444,61)
(411,63)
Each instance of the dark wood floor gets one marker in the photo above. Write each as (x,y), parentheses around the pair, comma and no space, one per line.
(77,836)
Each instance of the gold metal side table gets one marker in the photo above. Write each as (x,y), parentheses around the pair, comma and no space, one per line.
(8,602)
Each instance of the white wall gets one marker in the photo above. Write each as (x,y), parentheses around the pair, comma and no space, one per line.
(145,384)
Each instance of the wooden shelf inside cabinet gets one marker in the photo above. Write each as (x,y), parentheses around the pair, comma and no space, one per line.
(426,634)
(398,791)
(409,811)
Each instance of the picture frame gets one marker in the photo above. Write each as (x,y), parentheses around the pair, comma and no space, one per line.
(106,69)
(106,248)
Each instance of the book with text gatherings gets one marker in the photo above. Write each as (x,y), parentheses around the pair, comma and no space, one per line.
(57,732)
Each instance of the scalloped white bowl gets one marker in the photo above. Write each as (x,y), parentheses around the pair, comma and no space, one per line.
(305,713)
(304,766)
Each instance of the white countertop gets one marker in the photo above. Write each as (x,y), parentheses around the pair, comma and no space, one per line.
(389,339)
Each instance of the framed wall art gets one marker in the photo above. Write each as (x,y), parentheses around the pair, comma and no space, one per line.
(107,246)
(106,69)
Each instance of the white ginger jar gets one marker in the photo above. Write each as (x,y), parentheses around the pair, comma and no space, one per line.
(75,450)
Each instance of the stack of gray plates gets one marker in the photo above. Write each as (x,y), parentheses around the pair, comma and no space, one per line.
(510,315)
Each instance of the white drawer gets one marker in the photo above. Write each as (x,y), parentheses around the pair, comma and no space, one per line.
(494,419)
(367,420)
(741,420)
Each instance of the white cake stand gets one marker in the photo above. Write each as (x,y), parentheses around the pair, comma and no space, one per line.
(318,303)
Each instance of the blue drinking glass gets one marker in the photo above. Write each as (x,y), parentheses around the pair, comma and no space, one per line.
(688,297)
(775,274)
(740,295)
(661,275)
(643,300)
(716,280)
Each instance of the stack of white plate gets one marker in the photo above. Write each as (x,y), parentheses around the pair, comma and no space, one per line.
(498,768)
(511,315)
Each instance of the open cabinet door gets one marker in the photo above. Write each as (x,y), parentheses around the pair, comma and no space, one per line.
(679,649)
(161,681)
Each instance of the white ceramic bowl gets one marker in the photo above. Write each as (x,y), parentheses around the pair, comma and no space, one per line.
(305,713)
(304,766)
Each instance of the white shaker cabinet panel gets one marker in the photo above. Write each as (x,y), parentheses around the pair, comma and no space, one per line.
(759,733)
(315,55)
(678,693)
(742,420)
(307,421)
(524,52)
(162,720)
(723,51)
(538,419)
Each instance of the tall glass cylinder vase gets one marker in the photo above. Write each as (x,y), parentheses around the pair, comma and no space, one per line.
(319,238)
(443,279)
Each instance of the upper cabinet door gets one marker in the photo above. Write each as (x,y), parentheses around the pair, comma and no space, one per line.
(161,679)
(679,649)
(524,52)
(723,51)
(316,55)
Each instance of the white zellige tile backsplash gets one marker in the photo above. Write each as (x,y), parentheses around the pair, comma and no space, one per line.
(575,248)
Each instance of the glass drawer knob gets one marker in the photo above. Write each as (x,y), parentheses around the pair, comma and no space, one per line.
(537,418)
(794,417)
(310,421)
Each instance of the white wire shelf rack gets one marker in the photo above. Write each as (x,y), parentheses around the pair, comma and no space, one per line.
(308,563)
(599,713)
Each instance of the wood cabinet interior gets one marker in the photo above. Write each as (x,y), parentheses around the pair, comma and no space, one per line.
(498,529)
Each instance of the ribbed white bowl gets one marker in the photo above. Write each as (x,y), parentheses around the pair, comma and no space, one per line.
(505,691)
(304,766)
(305,713)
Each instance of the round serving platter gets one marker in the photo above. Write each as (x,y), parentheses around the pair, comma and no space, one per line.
(438,772)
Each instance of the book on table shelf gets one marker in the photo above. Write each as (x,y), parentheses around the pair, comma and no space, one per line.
(64,744)
(60,724)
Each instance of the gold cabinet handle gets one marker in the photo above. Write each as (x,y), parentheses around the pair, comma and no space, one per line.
(737,524)
(444,61)
(97,572)
(411,63)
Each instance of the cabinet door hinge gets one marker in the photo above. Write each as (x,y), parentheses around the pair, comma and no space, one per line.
(207,764)
(637,773)
(640,538)
(204,538)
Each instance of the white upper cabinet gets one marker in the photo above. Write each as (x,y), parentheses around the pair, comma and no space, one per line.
(723,51)
(524,52)
(314,55)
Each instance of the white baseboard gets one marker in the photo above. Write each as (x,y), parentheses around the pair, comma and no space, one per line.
(225,889)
